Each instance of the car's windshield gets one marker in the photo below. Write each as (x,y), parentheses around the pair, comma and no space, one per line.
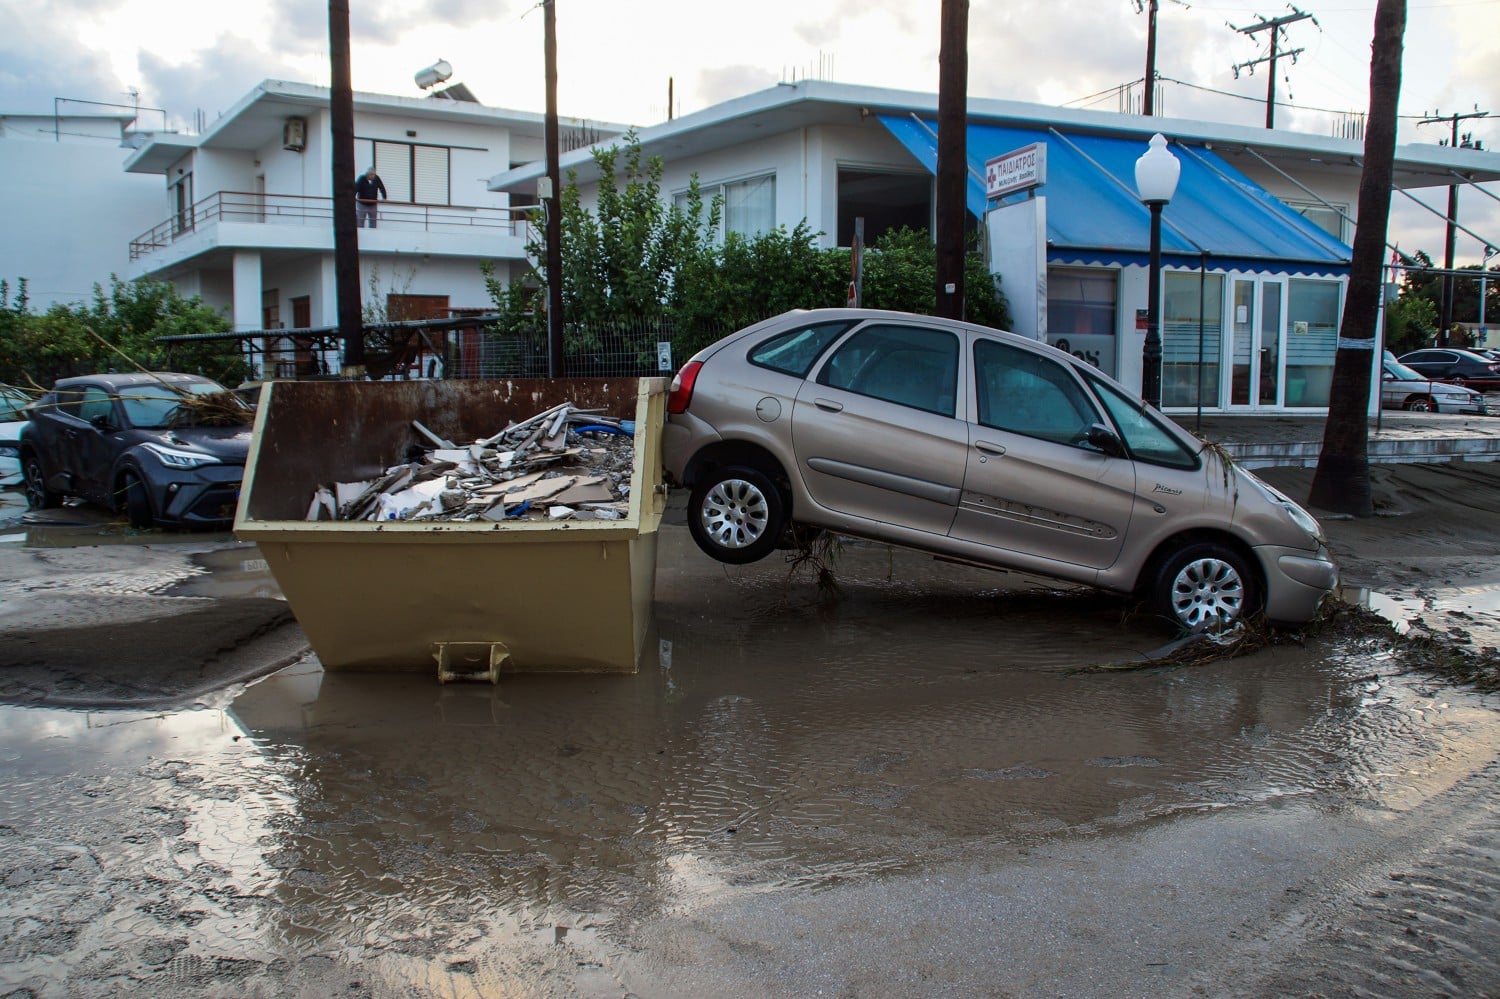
(10,406)
(155,407)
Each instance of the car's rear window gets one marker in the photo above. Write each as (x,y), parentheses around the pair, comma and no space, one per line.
(794,351)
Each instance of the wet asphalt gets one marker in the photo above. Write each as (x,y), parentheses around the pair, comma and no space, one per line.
(938,783)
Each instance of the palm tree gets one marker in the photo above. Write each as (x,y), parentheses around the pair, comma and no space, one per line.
(1342,480)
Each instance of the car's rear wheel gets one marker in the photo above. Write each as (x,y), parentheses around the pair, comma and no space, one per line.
(137,503)
(736,515)
(1421,404)
(38,496)
(1205,587)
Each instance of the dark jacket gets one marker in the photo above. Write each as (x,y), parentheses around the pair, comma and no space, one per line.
(367,188)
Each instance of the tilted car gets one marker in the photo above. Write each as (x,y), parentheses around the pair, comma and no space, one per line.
(12,419)
(982,447)
(162,447)
(1403,388)
(1454,365)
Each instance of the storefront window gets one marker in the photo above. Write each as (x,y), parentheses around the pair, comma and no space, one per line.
(1192,327)
(1311,342)
(1081,308)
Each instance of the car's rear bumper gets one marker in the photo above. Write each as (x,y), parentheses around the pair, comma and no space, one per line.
(682,436)
(1297,581)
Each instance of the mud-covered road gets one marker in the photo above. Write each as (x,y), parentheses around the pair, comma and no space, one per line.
(926,787)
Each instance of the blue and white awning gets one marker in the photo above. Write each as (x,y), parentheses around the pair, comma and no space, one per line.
(1094,216)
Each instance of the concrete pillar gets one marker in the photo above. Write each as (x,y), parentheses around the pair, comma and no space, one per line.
(247,291)
(247,299)
(326,308)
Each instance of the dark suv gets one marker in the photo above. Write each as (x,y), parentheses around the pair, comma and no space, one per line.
(164,448)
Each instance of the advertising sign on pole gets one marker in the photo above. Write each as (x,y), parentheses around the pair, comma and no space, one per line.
(1018,170)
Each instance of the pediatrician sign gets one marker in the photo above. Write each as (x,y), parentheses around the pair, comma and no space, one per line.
(1020,170)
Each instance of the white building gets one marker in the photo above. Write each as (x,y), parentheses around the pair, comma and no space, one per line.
(1258,231)
(244,211)
(69,211)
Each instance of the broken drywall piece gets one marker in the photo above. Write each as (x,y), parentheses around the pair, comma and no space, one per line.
(561,458)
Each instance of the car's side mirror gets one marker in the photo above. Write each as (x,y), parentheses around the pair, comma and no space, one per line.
(1106,440)
(1386,376)
(101,422)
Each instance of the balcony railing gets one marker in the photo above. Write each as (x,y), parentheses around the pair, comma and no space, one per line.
(241,207)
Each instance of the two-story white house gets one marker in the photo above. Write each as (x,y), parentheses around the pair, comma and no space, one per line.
(69,211)
(1255,240)
(245,217)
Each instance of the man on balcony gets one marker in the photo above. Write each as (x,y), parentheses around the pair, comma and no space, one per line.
(368,190)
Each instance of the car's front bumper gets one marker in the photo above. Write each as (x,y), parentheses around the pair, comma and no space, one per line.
(204,496)
(1297,581)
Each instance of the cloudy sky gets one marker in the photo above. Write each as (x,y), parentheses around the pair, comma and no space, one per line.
(616,57)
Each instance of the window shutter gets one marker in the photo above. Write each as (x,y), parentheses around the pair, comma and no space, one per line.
(393,163)
(430,169)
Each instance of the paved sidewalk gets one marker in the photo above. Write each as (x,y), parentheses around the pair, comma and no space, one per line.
(1264,441)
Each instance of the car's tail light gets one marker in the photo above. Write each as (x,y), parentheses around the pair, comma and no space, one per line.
(682,387)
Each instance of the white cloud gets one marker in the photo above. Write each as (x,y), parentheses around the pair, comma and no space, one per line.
(615,56)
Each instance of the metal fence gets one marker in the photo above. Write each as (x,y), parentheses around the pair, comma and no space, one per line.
(226,207)
(464,348)
(617,350)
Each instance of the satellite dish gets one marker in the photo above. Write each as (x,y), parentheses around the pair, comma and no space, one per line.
(434,74)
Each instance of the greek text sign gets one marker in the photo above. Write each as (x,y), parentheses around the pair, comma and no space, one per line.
(1016,171)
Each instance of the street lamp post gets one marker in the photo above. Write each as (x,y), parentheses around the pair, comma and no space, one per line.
(1156,175)
(1484,290)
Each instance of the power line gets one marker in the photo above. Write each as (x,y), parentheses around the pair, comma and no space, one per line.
(1275,26)
(1257,100)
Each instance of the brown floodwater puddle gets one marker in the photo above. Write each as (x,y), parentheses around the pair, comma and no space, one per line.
(773,740)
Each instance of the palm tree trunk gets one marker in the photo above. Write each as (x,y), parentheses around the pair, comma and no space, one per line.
(1342,480)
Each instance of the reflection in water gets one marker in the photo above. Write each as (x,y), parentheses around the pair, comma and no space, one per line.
(495,834)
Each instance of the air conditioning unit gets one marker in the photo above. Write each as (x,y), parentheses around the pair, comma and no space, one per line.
(294,134)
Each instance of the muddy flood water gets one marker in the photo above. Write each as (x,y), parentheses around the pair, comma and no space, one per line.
(928,786)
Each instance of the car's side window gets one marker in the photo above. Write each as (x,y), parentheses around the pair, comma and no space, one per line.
(795,351)
(1022,392)
(907,365)
(94,403)
(1144,436)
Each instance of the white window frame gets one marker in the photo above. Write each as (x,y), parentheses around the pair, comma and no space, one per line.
(720,189)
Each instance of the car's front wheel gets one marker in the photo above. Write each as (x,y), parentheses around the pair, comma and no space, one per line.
(137,503)
(736,515)
(38,496)
(1205,587)
(1421,404)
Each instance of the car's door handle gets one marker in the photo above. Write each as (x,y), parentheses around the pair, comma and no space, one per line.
(989,448)
(828,405)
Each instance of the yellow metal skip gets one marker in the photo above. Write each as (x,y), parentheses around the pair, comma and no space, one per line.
(556,596)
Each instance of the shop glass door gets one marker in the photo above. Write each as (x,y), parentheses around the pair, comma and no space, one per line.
(1255,344)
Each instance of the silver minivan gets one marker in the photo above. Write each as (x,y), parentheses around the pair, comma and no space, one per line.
(980,446)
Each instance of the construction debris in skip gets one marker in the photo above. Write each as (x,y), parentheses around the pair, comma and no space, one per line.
(563,464)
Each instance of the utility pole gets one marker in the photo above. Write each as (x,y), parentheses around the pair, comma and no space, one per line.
(1148,103)
(1274,27)
(345,235)
(952,157)
(552,201)
(1445,308)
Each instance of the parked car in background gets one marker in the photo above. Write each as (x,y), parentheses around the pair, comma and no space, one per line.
(980,447)
(162,447)
(1451,364)
(1403,388)
(12,402)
